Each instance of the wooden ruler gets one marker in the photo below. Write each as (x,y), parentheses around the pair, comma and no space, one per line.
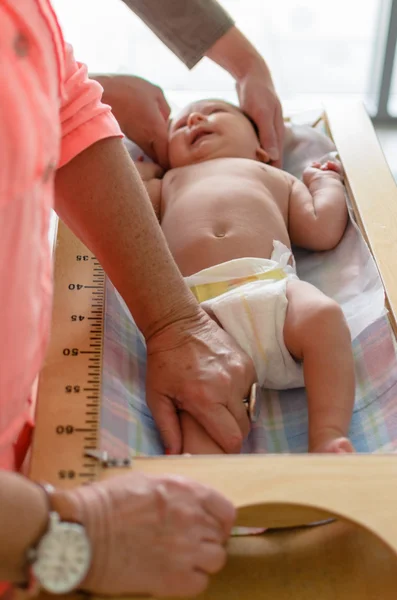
(69,392)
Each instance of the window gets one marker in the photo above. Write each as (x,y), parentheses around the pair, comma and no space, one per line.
(315,50)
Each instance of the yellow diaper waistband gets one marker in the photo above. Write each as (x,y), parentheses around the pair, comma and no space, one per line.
(208,291)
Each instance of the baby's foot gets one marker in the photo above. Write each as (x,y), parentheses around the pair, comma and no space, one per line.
(341,445)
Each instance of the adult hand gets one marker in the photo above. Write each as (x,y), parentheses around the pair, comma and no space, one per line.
(156,536)
(142,112)
(195,366)
(259,100)
(255,88)
(148,170)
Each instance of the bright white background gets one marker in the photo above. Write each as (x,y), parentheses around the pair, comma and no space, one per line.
(315,50)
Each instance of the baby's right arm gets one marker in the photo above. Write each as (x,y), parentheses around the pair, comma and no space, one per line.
(151,176)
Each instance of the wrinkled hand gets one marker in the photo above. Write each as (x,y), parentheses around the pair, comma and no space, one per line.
(330,168)
(142,112)
(259,100)
(157,536)
(195,366)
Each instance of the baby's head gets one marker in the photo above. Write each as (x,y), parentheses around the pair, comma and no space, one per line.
(210,129)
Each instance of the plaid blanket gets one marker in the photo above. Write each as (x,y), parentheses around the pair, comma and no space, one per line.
(347,274)
(128,427)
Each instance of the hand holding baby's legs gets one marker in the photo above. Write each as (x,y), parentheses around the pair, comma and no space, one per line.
(316,332)
(195,440)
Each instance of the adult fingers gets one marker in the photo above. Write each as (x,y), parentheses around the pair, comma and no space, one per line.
(167,421)
(220,409)
(211,557)
(164,107)
(184,585)
(219,423)
(235,403)
(268,139)
(271,130)
(238,410)
(211,527)
(221,509)
(280,134)
(159,151)
(160,140)
(153,135)
(161,137)
(214,533)
(268,134)
(155,141)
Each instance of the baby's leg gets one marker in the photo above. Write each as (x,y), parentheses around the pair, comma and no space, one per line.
(316,332)
(195,439)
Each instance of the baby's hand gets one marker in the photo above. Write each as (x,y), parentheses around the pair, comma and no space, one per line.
(331,168)
(148,170)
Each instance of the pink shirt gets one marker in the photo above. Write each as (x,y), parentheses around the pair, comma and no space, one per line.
(49,112)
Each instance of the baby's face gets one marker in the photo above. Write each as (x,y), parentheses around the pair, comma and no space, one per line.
(211,129)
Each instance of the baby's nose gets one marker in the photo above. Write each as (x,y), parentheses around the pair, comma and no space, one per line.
(195,118)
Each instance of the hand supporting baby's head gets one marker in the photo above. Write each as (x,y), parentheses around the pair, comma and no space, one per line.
(210,129)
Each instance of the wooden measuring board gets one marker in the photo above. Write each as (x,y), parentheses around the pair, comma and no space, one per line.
(321,563)
(69,391)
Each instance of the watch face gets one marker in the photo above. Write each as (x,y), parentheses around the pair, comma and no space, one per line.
(63,558)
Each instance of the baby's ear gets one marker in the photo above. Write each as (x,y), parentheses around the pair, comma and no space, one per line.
(262,155)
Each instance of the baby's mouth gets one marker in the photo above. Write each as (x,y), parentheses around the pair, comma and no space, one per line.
(199,135)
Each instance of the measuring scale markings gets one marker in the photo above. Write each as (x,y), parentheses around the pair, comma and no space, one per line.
(68,414)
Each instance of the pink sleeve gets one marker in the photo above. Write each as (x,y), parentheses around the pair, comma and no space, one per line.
(84,119)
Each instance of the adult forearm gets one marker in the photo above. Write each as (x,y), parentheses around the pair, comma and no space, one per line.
(23,520)
(100,196)
(234,53)
(188,28)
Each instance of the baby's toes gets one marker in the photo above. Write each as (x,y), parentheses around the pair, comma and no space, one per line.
(341,446)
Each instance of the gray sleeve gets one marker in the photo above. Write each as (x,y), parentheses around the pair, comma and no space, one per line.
(188,27)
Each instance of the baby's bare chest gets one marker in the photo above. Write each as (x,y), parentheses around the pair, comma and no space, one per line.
(225,184)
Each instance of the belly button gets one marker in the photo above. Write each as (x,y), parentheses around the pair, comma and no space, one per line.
(220,234)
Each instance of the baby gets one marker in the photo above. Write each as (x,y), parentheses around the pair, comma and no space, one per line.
(230,219)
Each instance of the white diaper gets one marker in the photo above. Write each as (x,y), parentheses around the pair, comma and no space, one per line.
(248,297)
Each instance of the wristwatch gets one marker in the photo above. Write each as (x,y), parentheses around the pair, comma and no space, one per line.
(61,559)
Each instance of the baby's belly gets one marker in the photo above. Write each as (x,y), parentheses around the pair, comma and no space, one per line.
(201,242)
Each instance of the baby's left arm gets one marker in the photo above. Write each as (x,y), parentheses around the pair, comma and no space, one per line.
(317,210)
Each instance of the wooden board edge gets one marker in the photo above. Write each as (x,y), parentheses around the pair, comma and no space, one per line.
(371,188)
